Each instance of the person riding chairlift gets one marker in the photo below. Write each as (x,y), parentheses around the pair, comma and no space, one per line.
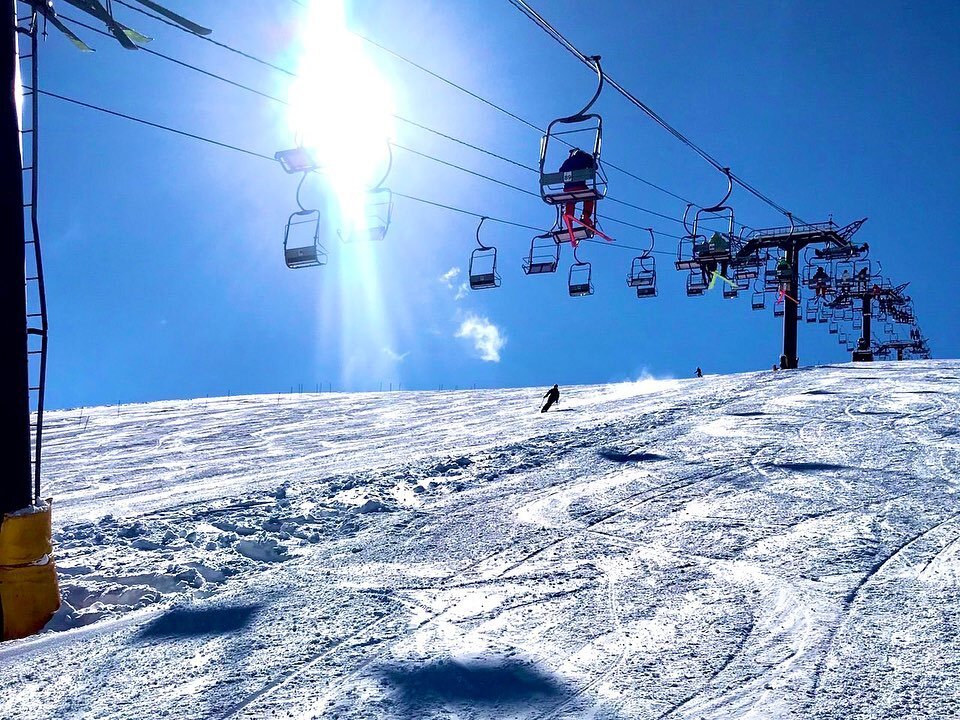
(716,245)
(784,273)
(820,280)
(579,160)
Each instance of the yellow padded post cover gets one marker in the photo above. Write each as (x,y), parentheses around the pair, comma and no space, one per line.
(29,594)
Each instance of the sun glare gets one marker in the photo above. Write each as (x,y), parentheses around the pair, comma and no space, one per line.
(341,107)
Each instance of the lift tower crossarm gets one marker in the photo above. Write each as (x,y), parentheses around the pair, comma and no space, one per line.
(791,240)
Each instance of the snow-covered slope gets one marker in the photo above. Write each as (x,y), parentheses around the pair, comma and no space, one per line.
(768,545)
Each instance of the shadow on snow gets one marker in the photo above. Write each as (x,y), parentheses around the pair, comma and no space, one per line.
(193,622)
(628,457)
(473,684)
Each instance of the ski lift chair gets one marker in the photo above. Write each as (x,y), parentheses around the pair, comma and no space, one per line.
(483,265)
(686,252)
(730,292)
(558,188)
(643,271)
(825,314)
(834,327)
(296,160)
(643,276)
(301,240)
(695,284)
(377,210)
(778,309)
(747,268)
(812,310)
(544,255)
(759,300)
(579,280)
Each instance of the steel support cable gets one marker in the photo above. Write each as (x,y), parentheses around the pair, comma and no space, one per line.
(285,102)
(424,127)
(532,14)
(428,72)
(228,146)
(510,114)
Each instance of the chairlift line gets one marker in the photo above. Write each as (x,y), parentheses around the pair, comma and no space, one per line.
(538,19)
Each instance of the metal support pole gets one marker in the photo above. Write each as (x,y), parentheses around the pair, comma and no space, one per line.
(864,353)
(789,359)
(15,490)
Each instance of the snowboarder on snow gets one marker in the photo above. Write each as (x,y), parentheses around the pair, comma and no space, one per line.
(551,396)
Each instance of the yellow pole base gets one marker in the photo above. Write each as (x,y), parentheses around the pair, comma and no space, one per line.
(29,594)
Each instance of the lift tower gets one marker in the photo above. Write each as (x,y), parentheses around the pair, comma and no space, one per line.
(15,485)
(790,241)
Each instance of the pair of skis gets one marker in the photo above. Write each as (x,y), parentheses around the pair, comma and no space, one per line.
(127,37)
(569,220)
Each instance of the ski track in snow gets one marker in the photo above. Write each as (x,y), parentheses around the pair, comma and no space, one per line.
(764,545)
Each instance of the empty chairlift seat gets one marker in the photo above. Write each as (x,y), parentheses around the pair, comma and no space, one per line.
(579,280)
(483,269)
(643,276)
(483,265)
(544,255)
(695,284)
(301,240)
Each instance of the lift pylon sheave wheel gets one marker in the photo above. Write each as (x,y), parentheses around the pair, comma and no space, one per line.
(483,265)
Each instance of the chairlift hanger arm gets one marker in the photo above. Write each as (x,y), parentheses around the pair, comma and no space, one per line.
(595,60)
(482,246)
(653,241)
(386,173)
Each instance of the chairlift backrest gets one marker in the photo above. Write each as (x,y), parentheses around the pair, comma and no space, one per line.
(483,265)
(301,240)
(579,279)
(544,255)
(580,183)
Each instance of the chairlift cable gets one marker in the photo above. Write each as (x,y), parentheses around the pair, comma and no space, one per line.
(532,14)
(270,158)
(387,50)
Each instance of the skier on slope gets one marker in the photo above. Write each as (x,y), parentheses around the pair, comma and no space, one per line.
(551,396)
(699,373)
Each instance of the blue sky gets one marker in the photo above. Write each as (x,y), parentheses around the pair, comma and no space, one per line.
(164,255)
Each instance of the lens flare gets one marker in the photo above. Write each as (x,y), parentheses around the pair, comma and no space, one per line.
(341,108)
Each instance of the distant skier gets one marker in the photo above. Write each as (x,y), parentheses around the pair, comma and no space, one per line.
(775,368)
(699,373)
(551,396)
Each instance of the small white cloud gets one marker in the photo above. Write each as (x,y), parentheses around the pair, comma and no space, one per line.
(461,291)
(449,276)
(394,355)
(487,337)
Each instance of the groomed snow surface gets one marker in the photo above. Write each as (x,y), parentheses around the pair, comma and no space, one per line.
(764,545)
